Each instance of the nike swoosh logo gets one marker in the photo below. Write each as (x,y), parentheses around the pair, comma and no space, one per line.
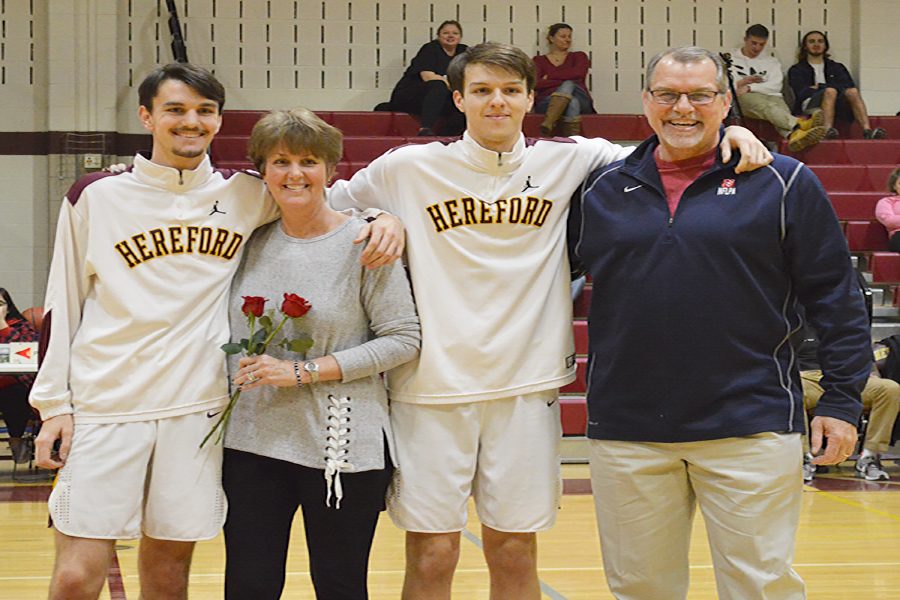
(212,415)
(632,188)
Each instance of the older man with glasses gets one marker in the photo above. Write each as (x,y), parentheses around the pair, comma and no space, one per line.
(694,395)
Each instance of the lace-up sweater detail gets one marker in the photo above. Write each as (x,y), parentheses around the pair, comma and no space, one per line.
(337,444)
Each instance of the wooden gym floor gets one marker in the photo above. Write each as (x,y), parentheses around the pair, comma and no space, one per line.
(848,547)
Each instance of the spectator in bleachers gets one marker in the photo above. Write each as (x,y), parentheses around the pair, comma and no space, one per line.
(758,79)
(881,397)
(693,392)
(424,90)
(887,211)
(820,82)
(14,388)
(363,322)
(560,90)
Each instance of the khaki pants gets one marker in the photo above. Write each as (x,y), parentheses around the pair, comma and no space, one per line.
(749,490)
(769,108)
(881,397)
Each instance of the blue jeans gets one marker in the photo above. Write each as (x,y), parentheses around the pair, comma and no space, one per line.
(580,104)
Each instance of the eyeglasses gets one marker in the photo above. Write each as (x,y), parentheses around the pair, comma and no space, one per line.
(669,97)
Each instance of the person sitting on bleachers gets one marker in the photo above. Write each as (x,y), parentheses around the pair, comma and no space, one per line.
(887,211)
(758,79)
(881,397)
(819,82)
(560,89)
(14,389)
(423,90)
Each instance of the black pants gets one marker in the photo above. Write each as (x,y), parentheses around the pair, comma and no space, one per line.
(15,408)
(894,242)
(430,100)
(263,495)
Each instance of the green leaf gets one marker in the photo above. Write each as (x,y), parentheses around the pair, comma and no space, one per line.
(259,337)
(244,343)
(265,322)
(301,345)
(231,348)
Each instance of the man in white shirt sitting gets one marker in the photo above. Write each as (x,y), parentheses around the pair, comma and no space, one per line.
(758,80)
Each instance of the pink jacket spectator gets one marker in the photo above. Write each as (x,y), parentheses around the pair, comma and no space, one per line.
(887,211)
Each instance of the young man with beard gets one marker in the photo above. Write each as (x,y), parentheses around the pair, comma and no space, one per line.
(477,413)
(694,395)
(819,82)
(758,79)
(133,375)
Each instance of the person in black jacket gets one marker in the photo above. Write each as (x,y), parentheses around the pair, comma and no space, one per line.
(423,90)
(819,82)
(693,391)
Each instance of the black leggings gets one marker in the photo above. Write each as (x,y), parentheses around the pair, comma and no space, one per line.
(15,408)
(430,100)
(894,242)
(263,495)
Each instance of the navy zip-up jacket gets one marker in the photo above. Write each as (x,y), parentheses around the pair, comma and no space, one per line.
(691,316)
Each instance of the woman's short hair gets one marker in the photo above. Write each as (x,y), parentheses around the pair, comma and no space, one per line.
(298,130)
(554,29)
(892,180)
(453,22)
(493,54)
(197,78)
(11,311)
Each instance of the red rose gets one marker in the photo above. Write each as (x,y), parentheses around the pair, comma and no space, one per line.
(294,306)
(253,305)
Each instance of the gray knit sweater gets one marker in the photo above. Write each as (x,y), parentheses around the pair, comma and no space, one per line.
(365,318)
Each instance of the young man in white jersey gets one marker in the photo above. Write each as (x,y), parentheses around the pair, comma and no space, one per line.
(133,376)
(477,414)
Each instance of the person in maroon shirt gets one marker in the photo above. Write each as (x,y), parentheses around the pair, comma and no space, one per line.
(14,388)
(560,90)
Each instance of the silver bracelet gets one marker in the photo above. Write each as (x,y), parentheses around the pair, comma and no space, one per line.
(297,374)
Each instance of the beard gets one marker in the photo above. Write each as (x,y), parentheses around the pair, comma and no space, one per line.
(189,153)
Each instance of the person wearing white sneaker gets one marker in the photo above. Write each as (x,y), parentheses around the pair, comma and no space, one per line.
(869,467)
(880,397)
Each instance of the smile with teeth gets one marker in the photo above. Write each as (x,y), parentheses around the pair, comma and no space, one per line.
(683,124)
(188,134)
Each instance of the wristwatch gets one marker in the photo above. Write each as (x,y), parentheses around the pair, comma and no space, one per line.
(313,369)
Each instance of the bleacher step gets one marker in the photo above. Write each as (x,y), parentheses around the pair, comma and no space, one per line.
(574,450)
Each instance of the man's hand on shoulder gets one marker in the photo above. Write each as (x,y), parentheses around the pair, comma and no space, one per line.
(55,428)
(387,239)
(841,437)
(753,153)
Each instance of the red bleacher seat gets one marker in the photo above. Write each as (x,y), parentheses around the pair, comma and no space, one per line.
(855,206)
(239,122)
(580,329)
(366,149)
(866,235)
(885,267)
(853,178)
(579,386)
(854,131)
(583,303)
(228,148)
(849,152)
(364,123)
(573,414)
